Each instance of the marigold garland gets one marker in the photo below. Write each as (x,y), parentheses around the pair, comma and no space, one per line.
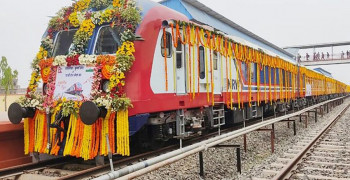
(193,35)
(45,67)
(26,135)
(123,133)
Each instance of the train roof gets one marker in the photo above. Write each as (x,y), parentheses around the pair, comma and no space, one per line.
(324,72)
(199,13)
(257,47)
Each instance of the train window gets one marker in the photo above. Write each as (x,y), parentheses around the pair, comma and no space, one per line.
(178,60)
(215,60)
(168,44)
(253,72)
(63,42)
(179,46)
(272,75)
(179,55)
(201,63)
(108,40)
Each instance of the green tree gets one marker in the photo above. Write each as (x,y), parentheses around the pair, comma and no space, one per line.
(6,77)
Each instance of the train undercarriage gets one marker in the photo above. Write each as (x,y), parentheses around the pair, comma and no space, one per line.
(165,127)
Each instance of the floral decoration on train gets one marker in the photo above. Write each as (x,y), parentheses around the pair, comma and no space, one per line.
(81,139)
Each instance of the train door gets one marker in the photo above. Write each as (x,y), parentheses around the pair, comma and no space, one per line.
(180,68)
(216,72)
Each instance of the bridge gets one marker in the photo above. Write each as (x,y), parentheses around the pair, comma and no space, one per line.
(322,58)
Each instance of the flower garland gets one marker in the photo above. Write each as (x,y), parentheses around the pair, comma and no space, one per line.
(107,63)
(33,83)
(87,59)
(193,35)
(60,61)
(73,60)
(45,68)
(82,140)
(48,103)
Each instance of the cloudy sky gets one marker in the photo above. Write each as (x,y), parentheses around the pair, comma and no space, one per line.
(282,22)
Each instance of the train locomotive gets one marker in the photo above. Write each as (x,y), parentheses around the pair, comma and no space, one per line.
(115,69)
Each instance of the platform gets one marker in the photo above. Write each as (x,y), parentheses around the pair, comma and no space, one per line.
(325,62)
(11,143)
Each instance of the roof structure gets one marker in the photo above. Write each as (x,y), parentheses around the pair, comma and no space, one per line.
(202,14)
(323,71)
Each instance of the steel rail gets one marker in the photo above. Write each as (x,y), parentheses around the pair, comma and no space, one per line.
(18,170)
(157,162)
(284,173)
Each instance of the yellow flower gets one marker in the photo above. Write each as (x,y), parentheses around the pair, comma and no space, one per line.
(45,53)
(121,75)
(120,51)
(126,48)
(116,3)
(81,5)
(112,78)
(41,54)
(129,53)
(111,85)
(73,19)
(106,16)
(87,26)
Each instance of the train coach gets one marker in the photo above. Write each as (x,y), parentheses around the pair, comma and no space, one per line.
(116,69)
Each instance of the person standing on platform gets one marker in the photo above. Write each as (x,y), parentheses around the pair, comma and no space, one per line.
(342,55)
(307,56)
(314,57)
(322,56)
(327,55)
(299,57)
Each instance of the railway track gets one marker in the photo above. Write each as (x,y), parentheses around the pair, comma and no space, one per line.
(66,168)
(71,168)
(323,154)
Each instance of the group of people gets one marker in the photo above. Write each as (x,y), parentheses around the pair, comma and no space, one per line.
(323,56)
(347,55)
(316,56)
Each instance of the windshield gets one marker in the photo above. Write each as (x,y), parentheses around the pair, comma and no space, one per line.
(63,42)
(108,40)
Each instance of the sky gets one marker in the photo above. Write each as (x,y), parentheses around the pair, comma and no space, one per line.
(282,22)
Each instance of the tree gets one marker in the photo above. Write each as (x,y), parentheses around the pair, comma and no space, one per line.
(6,78)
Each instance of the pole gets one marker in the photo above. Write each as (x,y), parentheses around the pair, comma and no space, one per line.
(201,168)
(238,154)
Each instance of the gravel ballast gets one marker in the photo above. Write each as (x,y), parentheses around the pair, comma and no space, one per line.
(220,163)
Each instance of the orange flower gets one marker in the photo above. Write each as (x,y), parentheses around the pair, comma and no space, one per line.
(107,71)
(45,68)
(106,59)
(107,63)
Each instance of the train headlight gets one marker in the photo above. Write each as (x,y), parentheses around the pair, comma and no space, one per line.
(89,112)
(16,112)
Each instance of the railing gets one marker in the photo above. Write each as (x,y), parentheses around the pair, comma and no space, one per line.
(324,57)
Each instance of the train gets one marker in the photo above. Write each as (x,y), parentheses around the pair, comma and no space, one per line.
(140,73)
